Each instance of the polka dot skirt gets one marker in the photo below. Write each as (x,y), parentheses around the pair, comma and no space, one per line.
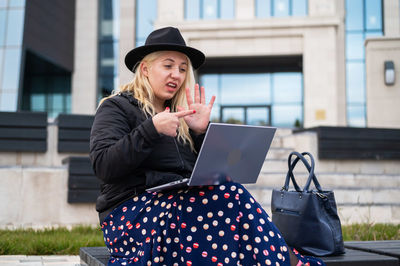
(215,225)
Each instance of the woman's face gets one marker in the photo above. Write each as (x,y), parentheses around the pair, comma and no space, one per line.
(166,75)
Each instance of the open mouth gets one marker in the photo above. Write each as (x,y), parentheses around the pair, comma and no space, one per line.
(172,86)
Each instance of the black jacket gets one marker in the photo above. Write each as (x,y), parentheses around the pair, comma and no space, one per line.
(127,152)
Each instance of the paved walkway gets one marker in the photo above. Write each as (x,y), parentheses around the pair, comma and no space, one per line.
(22,260)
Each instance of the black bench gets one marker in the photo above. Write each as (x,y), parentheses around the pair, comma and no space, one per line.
(83,185)
(23,131)
(344,143)
(98,256)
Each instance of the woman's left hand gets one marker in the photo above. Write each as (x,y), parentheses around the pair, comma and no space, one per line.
(198,121)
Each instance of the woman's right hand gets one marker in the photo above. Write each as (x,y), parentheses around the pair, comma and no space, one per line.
(168,123)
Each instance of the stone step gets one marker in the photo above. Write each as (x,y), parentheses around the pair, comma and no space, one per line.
(277,162)
(354,206)
(334,180)
(278,153)
(357,197)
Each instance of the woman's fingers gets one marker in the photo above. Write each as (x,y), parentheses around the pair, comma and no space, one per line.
(211,103)
(181,114)
(203,95)
(196,93)
(189,97)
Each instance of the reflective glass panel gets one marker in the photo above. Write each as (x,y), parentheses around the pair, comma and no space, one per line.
(15,26)
(146,13)
(211,85)
(355,46)
(373,34)
(192,9)
(233,115)
(299,7)
(3,15)
(355,79)
(287,87)
(8,101)
(210,9)
(354,15)
(286,115)
(12,59)
(16,3)
(227,9)
(373,15)
(263,8)
(356,115)
(3,3)
(281,8)
(245,89)
(257,116)
(38,102)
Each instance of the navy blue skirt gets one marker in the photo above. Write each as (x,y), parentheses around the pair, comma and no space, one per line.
(215,225)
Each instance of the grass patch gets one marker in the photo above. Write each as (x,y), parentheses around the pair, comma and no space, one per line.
(371,232)
(62,241)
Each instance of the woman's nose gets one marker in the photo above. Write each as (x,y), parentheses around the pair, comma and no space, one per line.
(175,72)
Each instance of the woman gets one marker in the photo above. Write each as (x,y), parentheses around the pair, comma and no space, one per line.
(148,134)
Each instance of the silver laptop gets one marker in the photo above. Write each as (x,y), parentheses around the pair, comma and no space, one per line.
(229,153)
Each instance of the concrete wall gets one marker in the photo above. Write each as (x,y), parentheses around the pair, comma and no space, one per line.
(36,197)
(383,109)
(84,78)
(319,38)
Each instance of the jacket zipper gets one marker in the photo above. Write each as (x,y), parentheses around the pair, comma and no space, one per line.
(179,155)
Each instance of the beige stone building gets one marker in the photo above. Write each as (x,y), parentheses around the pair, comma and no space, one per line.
(285,63)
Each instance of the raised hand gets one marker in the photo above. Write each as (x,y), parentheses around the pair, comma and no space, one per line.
(167,123)
(198,121)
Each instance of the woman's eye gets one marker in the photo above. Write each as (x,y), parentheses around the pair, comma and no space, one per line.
(168,66)
(183,69)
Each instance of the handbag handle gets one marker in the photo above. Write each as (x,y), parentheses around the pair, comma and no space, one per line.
(310,168)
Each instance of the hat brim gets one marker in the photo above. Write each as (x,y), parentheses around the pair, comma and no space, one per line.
(196,57)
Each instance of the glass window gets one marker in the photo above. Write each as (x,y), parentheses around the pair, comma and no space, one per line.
(354,15)
(258,116)
(146,14)
(3,24)
(373,14)
(299,7)
(210,9)
(355,82)
(12,59)
(38,102)
(15,27)
(287,87)
(356,115)
(255,90)
(233,115)
(286,115)
(16,3)
(263,8)
(227,9)
(281,8)
(3,3)
(363,19)
(248,98)
(355,46)
(192,9)
(8,101)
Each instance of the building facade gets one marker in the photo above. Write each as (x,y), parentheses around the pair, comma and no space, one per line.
(287,63)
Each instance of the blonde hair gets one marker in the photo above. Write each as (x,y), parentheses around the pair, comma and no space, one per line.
(141,89)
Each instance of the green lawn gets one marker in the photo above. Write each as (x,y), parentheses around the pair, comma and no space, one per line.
(67,242)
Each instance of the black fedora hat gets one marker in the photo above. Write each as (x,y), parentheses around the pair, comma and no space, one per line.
(164,39)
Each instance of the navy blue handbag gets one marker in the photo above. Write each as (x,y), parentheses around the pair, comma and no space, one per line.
(307,218)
